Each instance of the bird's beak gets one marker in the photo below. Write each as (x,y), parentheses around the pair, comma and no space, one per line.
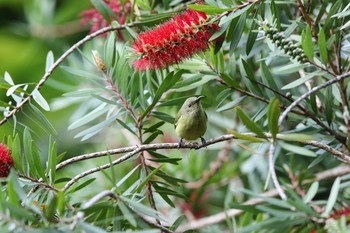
(199,98)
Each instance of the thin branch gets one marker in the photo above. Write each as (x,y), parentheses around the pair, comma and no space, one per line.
(307,19)
(188,145)
(273,172)
(38,182)
(60,60)
(306,113)
(220,217)
(96,169)
(307,94)
(192,145)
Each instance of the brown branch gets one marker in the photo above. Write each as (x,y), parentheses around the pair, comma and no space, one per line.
(39,183)
(145,167)
(307,19)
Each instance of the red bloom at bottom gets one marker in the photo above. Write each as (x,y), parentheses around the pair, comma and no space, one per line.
(6,161)
(172,42)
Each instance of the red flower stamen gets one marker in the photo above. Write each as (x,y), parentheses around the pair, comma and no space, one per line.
(6,161)
(172,42)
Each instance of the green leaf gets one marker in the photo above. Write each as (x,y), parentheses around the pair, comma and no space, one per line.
(122,123)
(332,197)
(273,115)
(300,81)
(94,114)
(41,118)
(164,117)
(238,32)
(127,214)
(37,162)
(109,50)
(104,10)
(231,104)
(245,137)
(322,45)
(90,132)
(251,77)
(127,176)
(296,137)
(153,136)
(20,212)
(27,148)
(311,193)
(140,208)
(40,100)
(297,149)
(166,84)
(147,179)
(17,154)
(177,222)
(251,125)
(12,194)
(83,185)
(253,33)
(267,76)
(52,161)
(307,43)
(234,15)
(210,10)
(154,127)
(49,61)
(228,80)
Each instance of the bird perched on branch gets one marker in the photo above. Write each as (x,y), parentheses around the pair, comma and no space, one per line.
(191,120)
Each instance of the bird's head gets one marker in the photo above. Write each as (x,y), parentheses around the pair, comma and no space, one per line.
(192,104)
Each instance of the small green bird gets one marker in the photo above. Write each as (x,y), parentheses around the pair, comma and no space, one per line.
(191,120)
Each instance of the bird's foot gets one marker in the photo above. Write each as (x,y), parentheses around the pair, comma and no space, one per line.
(180,144)
(204,143)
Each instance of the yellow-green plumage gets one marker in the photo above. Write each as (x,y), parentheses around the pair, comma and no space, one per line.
(191,120)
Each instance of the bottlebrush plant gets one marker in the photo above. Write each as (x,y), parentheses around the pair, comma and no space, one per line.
(91,146)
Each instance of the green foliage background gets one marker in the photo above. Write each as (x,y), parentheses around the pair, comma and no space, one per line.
(256,175)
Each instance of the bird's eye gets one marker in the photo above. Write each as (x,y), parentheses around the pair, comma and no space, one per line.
(189,105)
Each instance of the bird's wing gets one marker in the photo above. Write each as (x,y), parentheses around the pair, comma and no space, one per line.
(206,116)
(178,115)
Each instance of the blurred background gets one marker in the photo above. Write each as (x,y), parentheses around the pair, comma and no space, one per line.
(29,29)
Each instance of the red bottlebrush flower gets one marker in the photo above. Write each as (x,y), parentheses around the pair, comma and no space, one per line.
(6,161)
(339,213)
(94,17)
(170,43)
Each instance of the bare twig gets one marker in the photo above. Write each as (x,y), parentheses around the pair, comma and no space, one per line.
(220,217)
